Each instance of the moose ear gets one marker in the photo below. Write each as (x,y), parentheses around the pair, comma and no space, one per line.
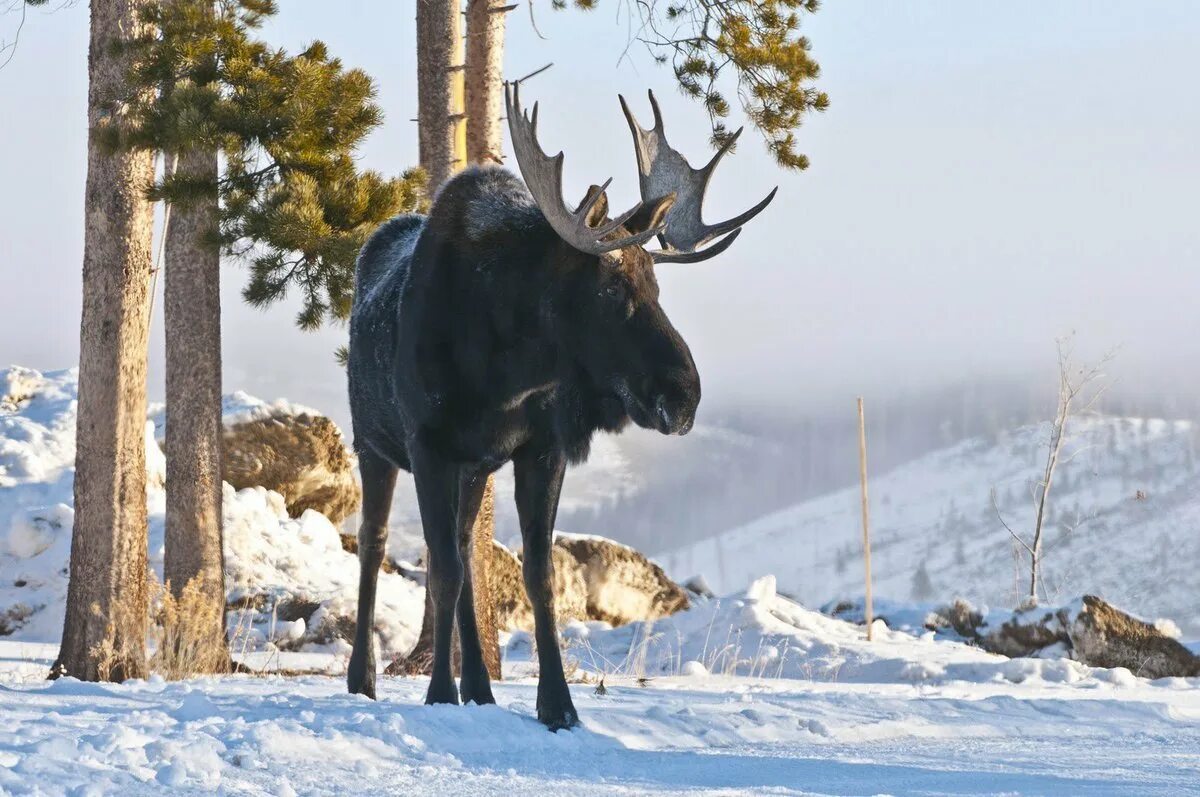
(650,215)
(599,212)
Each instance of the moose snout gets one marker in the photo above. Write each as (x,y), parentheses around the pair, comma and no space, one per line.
(675,406)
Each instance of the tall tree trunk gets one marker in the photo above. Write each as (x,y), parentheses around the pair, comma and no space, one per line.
(484,79)
(481,570)
(439,68)
(107,597)
(443,151)
(192,317)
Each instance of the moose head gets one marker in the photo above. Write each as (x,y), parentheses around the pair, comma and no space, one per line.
(605,308)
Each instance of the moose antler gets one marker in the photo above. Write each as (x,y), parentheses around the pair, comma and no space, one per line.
(663,170)
(543,178)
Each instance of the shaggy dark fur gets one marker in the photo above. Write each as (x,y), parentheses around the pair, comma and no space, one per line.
(479,337)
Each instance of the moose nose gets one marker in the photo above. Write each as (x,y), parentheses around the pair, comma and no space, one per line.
(677,420)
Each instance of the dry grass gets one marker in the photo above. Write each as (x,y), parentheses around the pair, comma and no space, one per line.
(187,640)
(652,653)
(188,636)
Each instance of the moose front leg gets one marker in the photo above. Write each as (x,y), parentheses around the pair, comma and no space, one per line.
(539,476)
(437,493)
(379,482)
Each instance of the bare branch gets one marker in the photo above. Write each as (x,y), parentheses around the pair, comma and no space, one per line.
(1000,517)
(11,47)
(534,73)
(533,21)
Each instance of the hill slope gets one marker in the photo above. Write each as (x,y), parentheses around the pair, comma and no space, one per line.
(1125,524)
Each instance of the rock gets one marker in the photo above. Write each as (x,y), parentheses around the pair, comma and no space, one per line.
(1104,636)
(513,609)
(698,585)
(1091,631)
(1025,632)
(961,616)
(301,456)
(623,586)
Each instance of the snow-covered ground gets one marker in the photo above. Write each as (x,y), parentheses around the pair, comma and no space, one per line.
(752,692)
(710,734)
(1124,523)
(825,712)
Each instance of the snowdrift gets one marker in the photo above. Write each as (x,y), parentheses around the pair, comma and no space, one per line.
(289,581)
(762,634)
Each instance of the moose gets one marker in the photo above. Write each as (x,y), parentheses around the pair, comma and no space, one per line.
(505,326)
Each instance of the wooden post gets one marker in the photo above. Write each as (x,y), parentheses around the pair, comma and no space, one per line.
(866,523)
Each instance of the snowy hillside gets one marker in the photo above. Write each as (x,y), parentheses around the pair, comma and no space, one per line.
(1124,523)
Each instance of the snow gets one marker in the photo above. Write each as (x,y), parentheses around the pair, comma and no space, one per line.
(1140,552)
(694,733)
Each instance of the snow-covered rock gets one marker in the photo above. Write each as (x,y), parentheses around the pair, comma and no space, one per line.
(1089,630)
(292,449)
(623,585)
(513,610)
(300,456)
(595,578)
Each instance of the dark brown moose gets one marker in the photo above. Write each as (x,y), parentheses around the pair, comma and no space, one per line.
(505,326)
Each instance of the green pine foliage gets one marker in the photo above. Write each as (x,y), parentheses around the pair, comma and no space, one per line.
(759,41)
(293,202)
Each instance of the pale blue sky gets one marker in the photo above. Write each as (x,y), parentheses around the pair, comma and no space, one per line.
(989,176)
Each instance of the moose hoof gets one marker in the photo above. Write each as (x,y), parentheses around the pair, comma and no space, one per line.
(557,714)
(559,720)
(441,693)
(478,693)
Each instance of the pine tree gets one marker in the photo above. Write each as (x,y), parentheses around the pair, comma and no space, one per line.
(922,584)
(441,138)
(290,197)
(193,564)
(107,597)
(292,200)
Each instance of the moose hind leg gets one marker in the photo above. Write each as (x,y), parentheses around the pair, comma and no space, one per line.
(475,684)
(379,482)
(436,496)
(538,484)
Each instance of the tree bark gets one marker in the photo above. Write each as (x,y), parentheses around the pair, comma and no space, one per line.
(107,595)
(439,42)
(419,661)
(481,570)
(443,151)
(484,79)
(192,317)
